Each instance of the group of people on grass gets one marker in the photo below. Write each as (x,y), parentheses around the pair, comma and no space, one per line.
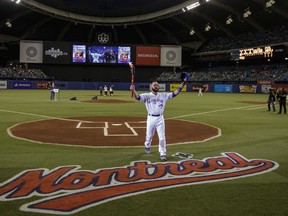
(279,95)
(105,90)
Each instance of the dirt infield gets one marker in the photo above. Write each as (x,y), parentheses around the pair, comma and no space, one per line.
(109,131)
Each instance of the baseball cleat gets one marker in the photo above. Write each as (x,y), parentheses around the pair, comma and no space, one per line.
(163,157)
(148,151)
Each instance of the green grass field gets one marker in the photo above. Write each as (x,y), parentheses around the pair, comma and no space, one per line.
(247,128)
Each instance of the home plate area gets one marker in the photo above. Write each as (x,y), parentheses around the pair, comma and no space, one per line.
(114,129)
(110,131)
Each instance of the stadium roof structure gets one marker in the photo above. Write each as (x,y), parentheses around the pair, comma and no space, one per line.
(184,22)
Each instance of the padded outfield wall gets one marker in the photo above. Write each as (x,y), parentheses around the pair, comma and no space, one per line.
(191,87)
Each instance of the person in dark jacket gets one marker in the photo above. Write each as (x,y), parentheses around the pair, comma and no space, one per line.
(271,99)
(282,100)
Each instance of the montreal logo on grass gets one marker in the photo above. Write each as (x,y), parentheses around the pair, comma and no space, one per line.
(68,190)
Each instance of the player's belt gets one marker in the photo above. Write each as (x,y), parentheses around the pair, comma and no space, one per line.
(155,115)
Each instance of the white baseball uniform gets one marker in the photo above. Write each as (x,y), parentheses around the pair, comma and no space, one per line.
(155,105)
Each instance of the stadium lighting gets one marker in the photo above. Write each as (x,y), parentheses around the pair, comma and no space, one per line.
(208,27)
(247,13)
(192,31)
(194,5)
(16,1)
(270,3)
(229,20)
(8,23)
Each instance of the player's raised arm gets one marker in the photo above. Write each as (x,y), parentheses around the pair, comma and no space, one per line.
(185,78)
(178,90)
(132,69)
(135,94)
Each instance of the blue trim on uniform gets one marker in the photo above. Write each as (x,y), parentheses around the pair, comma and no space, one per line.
(173,94)
(138,98)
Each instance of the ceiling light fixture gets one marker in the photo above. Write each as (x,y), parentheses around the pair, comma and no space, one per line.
(207,27)
(247,13)
(194,5)
(192,31)
(16,1)
(8,23)
(270,3)
(229,20)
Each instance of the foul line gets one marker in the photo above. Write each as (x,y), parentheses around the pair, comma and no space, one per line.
(176,117)
(44,116)
(214,111)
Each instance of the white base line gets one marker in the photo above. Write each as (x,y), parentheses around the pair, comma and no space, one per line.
(193,114)
(106,127)
(44,116)
(254,108)
(213,111)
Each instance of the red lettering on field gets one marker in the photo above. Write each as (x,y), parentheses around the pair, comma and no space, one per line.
(78,190)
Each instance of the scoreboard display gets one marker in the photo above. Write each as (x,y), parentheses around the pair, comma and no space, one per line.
(265,52)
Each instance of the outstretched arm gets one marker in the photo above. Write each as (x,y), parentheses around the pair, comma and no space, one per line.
(135,94)
(177,91)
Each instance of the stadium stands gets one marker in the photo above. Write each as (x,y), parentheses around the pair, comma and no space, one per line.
(250,73)
(20,73)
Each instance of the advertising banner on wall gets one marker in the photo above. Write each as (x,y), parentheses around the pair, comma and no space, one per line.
(162,87)
(279,86)
(175,86)
(171,56)
(22,85)
(148,55)
(265,88)
(42,85)
(248,88)
(197,86)
(3,84)
(57,53)
(223,88)
(31,51)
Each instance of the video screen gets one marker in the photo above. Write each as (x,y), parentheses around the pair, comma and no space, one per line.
(108,54)
(124,55)
(79,53)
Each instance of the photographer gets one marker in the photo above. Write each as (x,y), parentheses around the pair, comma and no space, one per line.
(271,99)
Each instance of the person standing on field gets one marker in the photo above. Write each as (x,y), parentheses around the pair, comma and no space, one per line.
(111,91)
(51,86)
(271,99)
(200,92)
(155,104)
(101,90)
(282,100)
(105,90)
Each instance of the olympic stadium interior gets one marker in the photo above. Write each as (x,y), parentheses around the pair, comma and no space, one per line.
(207,30)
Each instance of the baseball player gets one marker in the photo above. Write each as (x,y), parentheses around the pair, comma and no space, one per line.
(105,90)
(155,104)
(51,86)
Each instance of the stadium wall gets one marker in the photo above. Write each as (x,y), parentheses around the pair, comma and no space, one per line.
(142,86)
